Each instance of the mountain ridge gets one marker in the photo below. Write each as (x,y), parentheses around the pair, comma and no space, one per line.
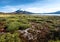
(22,12)
(27,12)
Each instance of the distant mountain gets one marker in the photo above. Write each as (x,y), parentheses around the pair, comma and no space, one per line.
(27,12)
(57,12)
(22,12)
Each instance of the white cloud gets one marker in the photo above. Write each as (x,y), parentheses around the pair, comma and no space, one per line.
(31,9)
(42,10)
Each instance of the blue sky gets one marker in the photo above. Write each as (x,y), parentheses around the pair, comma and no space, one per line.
(37,6)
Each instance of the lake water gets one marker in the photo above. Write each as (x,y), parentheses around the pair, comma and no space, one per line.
(48,14)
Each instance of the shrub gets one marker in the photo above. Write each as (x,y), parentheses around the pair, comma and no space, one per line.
(2,19)
(13,26)
(2,38)
(24,26)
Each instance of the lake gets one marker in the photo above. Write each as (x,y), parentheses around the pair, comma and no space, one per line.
(48,14)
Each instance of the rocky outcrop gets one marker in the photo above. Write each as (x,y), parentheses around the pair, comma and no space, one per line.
(35,34)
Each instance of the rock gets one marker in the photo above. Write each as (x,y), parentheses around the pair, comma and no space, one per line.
(34,34)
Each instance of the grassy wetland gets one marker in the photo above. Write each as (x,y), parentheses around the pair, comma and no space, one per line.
(29,28)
